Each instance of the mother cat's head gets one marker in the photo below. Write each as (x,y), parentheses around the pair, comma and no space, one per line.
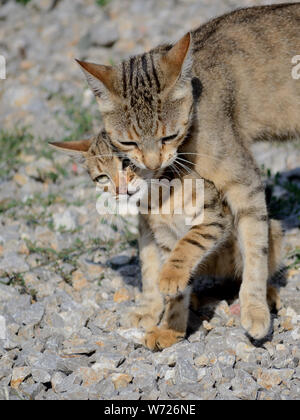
(146,102)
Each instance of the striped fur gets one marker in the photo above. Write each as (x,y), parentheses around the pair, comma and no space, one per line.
(172,252)
(243,64)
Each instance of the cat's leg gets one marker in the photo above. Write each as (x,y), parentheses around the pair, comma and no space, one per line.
(240,181)
(276,237)
(172,328)
(149,310)
(191,250)
(228,261)
(247,202)
(224,158)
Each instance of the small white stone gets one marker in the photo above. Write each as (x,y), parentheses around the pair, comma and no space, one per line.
(244,351)
(104,295)
(201,373)
(290,312)
(170,375)
(64,220)
(295,334)
(132,334)
(2,328)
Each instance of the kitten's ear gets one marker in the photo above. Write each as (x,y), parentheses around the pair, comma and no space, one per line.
(99,77)
(177,62)
(75,149)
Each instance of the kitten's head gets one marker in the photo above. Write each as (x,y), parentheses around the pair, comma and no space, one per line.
(146,102)
(109,171)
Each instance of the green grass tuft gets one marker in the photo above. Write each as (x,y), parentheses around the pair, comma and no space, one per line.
(12,144)
(102,3)
(24,2)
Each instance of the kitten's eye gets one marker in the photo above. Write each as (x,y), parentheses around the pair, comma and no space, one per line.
(102,179)
(104,134)
(169,138)
(125,163)
(128,143)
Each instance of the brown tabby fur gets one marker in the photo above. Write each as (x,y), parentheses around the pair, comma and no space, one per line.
(210,96)
(170,249)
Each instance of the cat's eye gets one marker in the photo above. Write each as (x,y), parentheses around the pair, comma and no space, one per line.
(128,143)
(102,179)
(169,138)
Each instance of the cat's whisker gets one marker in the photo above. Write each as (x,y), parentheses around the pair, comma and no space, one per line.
(173,167)
(185,160)
(199,154)
(187,169)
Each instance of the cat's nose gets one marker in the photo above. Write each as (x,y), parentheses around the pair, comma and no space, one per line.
(153,167)
(152,160)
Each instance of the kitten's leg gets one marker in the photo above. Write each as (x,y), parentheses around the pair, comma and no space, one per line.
(172,328)
(150,308)
(191,250)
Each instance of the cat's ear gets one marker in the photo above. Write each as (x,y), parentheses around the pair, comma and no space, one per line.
(100,79)
(177,62)
(75,149)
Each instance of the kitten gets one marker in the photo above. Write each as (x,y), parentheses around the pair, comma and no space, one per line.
(169,248)
(206,99)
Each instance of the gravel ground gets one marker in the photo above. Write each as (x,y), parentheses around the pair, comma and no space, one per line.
(67,276)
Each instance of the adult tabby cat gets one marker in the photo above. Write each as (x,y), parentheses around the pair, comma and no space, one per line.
(169,248)
(211,95)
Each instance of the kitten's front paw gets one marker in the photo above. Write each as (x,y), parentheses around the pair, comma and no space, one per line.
(160,338)
(142,319)
(172,281)
(255,318)
(144,316)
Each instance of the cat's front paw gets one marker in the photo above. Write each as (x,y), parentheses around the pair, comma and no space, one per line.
(255,318)
(161,338)
(172,281)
